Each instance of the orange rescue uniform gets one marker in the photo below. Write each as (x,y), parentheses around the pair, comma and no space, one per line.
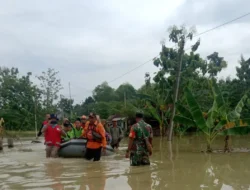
(97,127)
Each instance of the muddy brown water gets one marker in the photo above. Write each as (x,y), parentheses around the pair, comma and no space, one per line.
(178,167)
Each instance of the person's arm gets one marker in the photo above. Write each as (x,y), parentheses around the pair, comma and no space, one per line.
(130,141)
(40,131)
(151,136)
(101,131)
(120,133)
(84,132)
(44,129)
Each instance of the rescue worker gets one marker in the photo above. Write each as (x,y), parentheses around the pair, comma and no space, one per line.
(116,134)
(78,128)
(45,122)
(53,133)
(96,140)
(83,121)
(139,146)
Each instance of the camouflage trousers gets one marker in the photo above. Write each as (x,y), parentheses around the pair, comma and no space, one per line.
(138,158)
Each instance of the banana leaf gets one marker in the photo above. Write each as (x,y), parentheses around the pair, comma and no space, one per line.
(184,120)
(196,111)
(217,95)
(242,129)
(184,111)
(154,112)
(236,131)
(235,114)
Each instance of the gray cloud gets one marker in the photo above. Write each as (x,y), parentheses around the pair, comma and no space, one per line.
(89,42)
(207,12)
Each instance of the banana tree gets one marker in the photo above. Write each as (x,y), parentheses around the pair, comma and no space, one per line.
(217,117)
(156,105)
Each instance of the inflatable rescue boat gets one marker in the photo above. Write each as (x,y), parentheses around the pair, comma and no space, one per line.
(76,148)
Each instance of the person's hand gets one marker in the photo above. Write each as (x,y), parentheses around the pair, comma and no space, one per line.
(104,150)
(127,154)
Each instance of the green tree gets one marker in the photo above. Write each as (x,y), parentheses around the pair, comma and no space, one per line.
(50,86)
(65,105)
(18,97)
(243,72)
(125,91)
(171,61)
(215,64)
(104,92)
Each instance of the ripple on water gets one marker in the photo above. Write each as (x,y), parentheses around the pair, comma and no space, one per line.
(15,179)
(44,183)
(3,176)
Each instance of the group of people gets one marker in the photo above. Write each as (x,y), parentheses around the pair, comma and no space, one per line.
(98,135)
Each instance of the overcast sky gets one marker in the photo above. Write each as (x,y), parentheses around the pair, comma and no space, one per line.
(90,42)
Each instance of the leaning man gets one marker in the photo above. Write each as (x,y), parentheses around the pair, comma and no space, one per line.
(139,146)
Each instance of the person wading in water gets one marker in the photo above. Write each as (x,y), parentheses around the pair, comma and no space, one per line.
(53,133)
(139,146)
(96,140)
(116,134)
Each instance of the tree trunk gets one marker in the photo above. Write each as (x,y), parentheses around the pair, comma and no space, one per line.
(209,149)
(1,144)
(226,148)
(170,135)
(10,143)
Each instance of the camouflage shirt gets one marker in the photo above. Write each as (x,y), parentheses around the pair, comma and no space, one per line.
(139,132)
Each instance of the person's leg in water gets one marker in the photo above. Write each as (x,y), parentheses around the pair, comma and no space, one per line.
(97,154)
(135,159)
(54,151)
(145,159)
(48,151)
(89,154)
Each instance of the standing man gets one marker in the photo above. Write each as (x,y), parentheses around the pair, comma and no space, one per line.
(139,146)
(53,133)
(116,134)
(45,122)
(95,134)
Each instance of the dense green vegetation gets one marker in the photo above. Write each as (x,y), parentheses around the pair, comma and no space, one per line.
(21,99)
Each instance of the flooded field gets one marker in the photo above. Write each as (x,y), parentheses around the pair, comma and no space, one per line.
(178,167)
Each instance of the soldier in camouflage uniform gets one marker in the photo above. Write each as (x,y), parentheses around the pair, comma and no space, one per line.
(140,133)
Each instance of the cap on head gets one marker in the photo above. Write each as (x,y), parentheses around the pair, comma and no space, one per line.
(53,116)
(139,115)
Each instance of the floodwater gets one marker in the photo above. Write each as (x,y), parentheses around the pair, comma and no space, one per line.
(178,167)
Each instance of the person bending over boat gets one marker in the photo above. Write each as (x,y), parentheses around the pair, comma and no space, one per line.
(139,146)
(96,139)
(53,133)
(116,134)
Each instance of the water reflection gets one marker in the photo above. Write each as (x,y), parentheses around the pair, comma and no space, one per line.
(179,165)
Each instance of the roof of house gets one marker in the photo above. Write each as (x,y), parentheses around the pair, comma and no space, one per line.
(119,118)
